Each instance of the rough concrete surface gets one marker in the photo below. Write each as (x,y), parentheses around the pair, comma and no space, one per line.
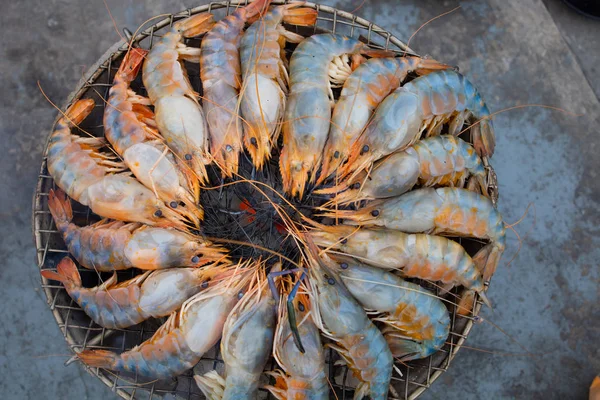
(541,341)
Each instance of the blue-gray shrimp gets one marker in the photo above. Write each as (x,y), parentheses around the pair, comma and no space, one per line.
(425,103)
(366,87)
(179,115)
(439,211)
(308,110)
(111,246)
(430,257)
(302,375)
(245,346)
(441,160)
(357,340)
(221,83)
(264,91)
(119,305)
(182,341)
(419,321)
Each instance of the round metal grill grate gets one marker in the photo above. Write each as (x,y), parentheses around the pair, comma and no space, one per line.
(80,332)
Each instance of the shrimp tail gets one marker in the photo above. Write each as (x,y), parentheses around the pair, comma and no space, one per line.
(131,64)
(487,260)
(99,358)
(79,111)
(60,207)
(66,273)
(429,65)
(211,384)
(299,16)
(195,25)
(405,349)
(483,136)
(466,303)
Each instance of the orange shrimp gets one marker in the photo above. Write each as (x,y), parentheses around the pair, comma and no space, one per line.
(221,83)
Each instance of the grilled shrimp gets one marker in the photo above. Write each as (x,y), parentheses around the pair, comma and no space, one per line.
(127,128)
(434,258)
(221,83)
(409,309)
(74,161)
(440,211)
(441,160)
(152,294)
(425,103)
(245,346)
(302,375)
(262,98)
(110,246)
(180,343)
(179,115)
(366,87)
(308,110)
(357,340)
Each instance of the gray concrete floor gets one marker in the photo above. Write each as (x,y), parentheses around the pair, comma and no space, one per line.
(542,340)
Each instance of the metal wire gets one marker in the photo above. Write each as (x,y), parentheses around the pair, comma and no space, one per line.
(80,332)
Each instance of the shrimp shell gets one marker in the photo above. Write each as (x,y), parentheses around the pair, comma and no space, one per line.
(221,83)
(425,103)
(308,109)
(152,294)
(366,87)
(441,160)
(443,211)
(182,341)
(357,340)
(434,258)
(111,246)
(408,308)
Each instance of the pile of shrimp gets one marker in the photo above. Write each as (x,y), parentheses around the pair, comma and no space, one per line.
(399,160)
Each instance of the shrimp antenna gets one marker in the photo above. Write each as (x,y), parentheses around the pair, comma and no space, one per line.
(423,25)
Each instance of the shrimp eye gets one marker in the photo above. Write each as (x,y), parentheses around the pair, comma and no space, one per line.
(344,241)
(375,213)
(240,295)
(188,157)
(253,142)
(300,306)
(336,154)
(229,148)
(173,204)
(331,281)
(365,148)
(204,285)
(344,265)
(356,185)
(195,259)
(158,213)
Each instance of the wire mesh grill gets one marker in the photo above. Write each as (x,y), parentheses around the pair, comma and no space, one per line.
(81,332)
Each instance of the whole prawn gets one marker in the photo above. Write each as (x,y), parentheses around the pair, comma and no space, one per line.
(434,258)
(408,309)
(110,246)
(362,92)
(93,179)
(130,128)
(221,83)
(357,340)
(181,342)
(245,346)
(119,305)
(441,160)
(265,77)
(308,110)
(302,375)
(440,211)
(179,115)
(425,103)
